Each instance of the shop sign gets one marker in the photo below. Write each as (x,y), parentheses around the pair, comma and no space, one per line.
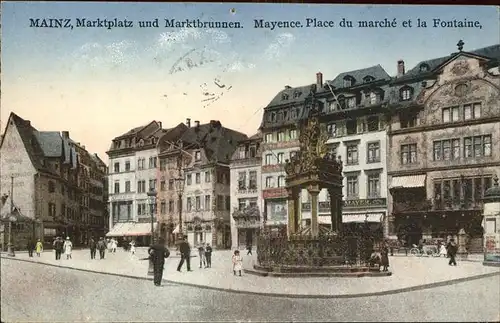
(379,202)
(273,193)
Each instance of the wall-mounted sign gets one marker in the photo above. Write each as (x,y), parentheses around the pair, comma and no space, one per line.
(379,202)
(277,211)
(274,193)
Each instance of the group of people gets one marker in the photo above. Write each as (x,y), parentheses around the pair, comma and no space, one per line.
(99,245)
(63,246)
(112,244)
(205,254)
(35,247)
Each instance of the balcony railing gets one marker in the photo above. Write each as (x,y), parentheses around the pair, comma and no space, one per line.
(247,212)
(412,206)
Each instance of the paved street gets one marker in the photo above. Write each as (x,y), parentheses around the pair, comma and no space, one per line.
(33,292)
(409,272)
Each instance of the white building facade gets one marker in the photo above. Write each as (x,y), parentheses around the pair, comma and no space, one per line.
(245,191)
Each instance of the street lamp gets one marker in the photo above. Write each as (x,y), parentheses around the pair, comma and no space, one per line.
(10,249)
(179,186)
(152,206)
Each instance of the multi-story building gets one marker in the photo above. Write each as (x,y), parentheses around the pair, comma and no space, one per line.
(245,190)
(43,180)
(201,158)
(351,107)
(132,173)
(443,144)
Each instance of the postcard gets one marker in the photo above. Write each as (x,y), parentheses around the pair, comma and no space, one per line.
(249,162)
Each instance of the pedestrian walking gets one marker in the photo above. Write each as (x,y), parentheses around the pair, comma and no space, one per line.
(185,250)
(442,251)
(384,258)
(31,247)
(249,249)
(101,245)
(132,247)
(68,248)
(114,245)
(201,254)
(157,254)
(58,247)
(39,248)
(108,245)
(93,247)
(208,255)
(237,262)
(452,251)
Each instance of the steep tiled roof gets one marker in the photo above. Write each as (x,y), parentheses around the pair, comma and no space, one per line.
(377,72)
(51,142)
(492,52)
(218,142)
(293,95)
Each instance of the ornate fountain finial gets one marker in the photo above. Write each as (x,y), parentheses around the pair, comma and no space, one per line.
(495,180)
(460,45)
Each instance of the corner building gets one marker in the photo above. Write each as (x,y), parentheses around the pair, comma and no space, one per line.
(444,139)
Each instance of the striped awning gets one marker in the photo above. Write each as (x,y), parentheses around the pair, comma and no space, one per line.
(408,181)
(130,229)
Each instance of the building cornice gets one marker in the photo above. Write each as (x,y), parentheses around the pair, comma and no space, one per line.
(419,171)
(444,126)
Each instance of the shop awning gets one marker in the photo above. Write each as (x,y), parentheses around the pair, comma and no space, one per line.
(119,229)
(129,229)
(176,230)
(408,181)
(361,217)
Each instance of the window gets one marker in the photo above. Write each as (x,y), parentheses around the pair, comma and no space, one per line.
(197,178)
(127,166)
(152,184)
(351,126)
(189,205)
(140,163)
(450,114)
(269,137)
(293,134)
(455,148)
(472,111)
(228,203)
(269,159)
(242,203)
(141,186)
(117,167)
(284,96)
(252,151)
(280,158)
(408,154)
(281,136)
(407,120)
(332,130)
(253,180)
(163,185)
(207,202)
(152,162)
(352,154)
(207,177)
(170,184)
(405,94)
(348,81)
(163,164)
(373,123)
(127,186)
(468,147)
(478,146)
(373,185)
(352,186)
(170,206)
(424,68)
(242,181)
(198,203)
(117,187)
(368,78)
(197,156)
(52,187)
(188,179)
(220,202)
(281,181)
(163,207)
(269,182)
(374,98)
(373,152)
(351,102)
(331,106)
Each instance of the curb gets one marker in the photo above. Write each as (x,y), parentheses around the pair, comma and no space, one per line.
(278,295)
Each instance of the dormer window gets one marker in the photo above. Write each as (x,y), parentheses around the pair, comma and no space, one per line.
(368,79)
(296,94)
(405,93)
(424,68)
(348,81)
(284,96)
(197,156)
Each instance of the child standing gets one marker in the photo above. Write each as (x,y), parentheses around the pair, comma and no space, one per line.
(237,262)
(39,247)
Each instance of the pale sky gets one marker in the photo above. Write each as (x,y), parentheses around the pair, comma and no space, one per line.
(99,83)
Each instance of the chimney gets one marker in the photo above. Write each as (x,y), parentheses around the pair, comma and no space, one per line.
(159,124)
(319,79)
(65,134)
(188,122)
(287,87)
(196,124)
(401,68)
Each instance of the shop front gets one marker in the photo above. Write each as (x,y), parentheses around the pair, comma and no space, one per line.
(247,222)
(126,232)
(275,207)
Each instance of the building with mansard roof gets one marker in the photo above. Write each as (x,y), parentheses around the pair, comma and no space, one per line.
(443,145)
(47,177)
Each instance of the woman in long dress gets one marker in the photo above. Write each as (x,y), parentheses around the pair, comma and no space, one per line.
(132,247)
(237,262)
(442,251)
(68,248)
(39,248)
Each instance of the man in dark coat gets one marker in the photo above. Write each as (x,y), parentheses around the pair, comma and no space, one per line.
(158,253)
(58,247)
(451,247)
(101,245)
(31,247)
(185,250)
(208,255)
(93,248)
